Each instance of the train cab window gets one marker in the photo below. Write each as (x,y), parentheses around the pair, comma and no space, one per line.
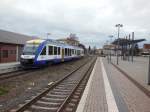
(43,51)
(58,50)
(55,50)
(50,50)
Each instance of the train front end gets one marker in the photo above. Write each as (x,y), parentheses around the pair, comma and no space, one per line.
(30,51)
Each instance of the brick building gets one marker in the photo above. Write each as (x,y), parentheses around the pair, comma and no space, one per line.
(11,45)
(146,47)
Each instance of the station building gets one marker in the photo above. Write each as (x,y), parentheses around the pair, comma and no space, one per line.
(110,49)
(11,45)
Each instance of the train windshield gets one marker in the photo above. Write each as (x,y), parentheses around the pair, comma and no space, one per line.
(30,49)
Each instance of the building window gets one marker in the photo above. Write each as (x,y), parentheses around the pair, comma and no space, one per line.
(43,51)
(58,50)
(55,50)
(50,51)
(11,51)
(5,53)
(14,51)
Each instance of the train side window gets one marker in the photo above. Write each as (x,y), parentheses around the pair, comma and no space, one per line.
(65,51)
(78,52)
(43,51)
(68,52)
(50,50)
(58,50)
(55,50)
(72,51)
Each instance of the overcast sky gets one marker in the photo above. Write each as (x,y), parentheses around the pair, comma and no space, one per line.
(91,20)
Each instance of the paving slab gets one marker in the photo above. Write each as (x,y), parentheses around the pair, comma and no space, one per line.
(94,98)
(98,95)
(138,69)
(135,99)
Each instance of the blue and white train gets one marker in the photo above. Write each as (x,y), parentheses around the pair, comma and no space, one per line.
(39,52)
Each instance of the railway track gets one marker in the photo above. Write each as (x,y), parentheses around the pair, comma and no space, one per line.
(60,96)
(12,74)
(19,72)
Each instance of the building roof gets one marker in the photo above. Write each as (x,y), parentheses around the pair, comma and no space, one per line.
(13,38)
(110,46)
(126,41)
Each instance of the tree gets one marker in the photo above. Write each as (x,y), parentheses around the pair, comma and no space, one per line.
(89,49)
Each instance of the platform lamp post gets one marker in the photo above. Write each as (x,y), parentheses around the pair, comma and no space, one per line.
(149,69)
(48,34)
(110,36)
(107,51)
(118,26)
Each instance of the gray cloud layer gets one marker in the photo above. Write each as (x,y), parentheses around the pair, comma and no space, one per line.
(92,20)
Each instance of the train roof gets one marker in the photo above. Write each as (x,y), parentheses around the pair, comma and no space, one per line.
(53,42)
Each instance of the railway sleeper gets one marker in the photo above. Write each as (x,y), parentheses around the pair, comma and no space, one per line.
(74,100)
(64,87)
(35,108)
(68,109)
(47,103)
(55,100)
(60,93)
(62,90)
(56,96)
(75,96)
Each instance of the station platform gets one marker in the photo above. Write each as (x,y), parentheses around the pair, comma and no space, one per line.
(138,69)
(108,90)
(8,67)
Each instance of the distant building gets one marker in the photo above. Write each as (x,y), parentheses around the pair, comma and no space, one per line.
(146,47)
(145,51)
(110,49)
(11,45)
(99,51)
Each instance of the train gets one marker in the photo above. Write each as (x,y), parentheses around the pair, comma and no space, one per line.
(40,52)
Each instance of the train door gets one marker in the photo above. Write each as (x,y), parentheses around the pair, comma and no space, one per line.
(0,53)
(62,54)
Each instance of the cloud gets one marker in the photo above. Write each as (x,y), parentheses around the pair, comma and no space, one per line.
(92,20)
